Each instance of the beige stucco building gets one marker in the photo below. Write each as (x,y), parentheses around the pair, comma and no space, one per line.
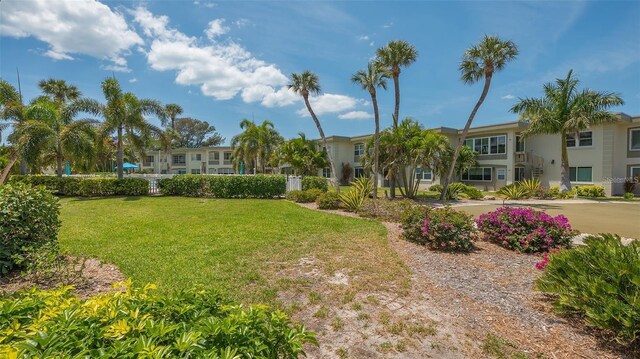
(604,155)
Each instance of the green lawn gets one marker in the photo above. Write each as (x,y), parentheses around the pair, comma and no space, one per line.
(246,248)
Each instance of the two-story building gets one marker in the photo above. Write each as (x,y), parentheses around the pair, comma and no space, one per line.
(204,160)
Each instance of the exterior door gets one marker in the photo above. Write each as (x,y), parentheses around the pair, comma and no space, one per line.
(518,174)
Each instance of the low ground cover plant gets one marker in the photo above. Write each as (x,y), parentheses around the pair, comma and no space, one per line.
(385,209)
(439,228)
(458,188)
(305,196)
(138,322)
(525,229)
(599,281)
(309,182)
(328,200)
(258,186)
(29,226)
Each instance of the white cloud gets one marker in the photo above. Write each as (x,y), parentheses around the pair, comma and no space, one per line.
(71,27)
(371,43)
(363,37)
(216,28)
(205,4)
(133,80)
(355,115)
(222,69)
(508,97)
(329,103)
(388,25)
(242,23)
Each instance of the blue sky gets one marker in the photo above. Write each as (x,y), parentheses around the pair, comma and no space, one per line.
(224,61)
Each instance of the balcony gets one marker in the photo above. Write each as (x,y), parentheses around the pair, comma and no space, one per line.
(227,162)
(214,162)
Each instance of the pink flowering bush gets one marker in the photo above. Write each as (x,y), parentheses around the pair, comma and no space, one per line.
(525,229)
(439,228)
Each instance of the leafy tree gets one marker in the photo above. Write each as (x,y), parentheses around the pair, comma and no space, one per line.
(304,84)
(124,114)
(302,154)
(565,110)
(370,79)
(256,144)
(479,62)
(193,133)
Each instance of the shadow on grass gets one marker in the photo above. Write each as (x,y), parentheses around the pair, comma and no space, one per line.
(124,198)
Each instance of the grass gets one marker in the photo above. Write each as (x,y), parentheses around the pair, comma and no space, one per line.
(248,249)
(597,217)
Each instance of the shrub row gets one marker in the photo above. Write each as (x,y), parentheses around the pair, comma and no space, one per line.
(258,186)
(310,182)
(439,228)
(590,191)
(93,186)
(28,225)
(141,323)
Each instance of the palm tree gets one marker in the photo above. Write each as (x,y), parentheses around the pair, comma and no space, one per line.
(479,62)
(60,136)
(173,111)
(304,84)
(566,110)
(59,91)
(369,80)
(302,154)
(12,111)
(123,113)
(256,144)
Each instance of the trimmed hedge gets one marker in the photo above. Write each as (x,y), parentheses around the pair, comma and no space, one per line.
(328,200)
(258,186)
(307,196)
(590,191)
(28,225)
(310,182)
(88,187)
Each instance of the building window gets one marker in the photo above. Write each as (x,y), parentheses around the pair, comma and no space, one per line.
(212,171)
(520,147)
(326,172)
(227,158)
(585,139)
(501,174)
(214,158)
(196,157)
(634,172)
(423,174)
(358,172)
(493,145)
(148,161)
(225,171)
(180,172)
(477,174)
(580,174)
(358,150)
(195,172)
(178,159)
(634,139)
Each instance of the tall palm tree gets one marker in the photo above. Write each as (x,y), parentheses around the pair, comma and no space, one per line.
(566,110)
(173,111)
(12,111)
(370,79)
(304,84)
(479,62)
(124,113)
(59,91)
(60,136)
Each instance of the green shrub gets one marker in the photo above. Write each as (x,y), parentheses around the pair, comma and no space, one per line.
(131,187)
(629,195)
(385,209)
(97,187)
(513,191)
(139,323)
(599,281)
(29,225)
(238,186)
(473,193)
(309,182)
(455,189)
(436,188)
(70,186)
(307,196)
(555,192)
(361,189)
(93,186)
(439,228)
(328,200)
(590,191)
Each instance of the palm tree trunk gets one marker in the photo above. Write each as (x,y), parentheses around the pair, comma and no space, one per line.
(334,174)
(465,131)
(565,181)
(396,114)
(59,160)
(12,160)
(120,153)
(376,143)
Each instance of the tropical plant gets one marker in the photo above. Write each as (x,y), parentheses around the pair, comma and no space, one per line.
(123,113)
(531,185)
(361,189)
(514,191)
(565,110)
(369,80)
(59,91)
(304,84)
(172,111)
(12,111)
(302,154)
(480,62)
(600,282)
(392,57)
(256,144)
